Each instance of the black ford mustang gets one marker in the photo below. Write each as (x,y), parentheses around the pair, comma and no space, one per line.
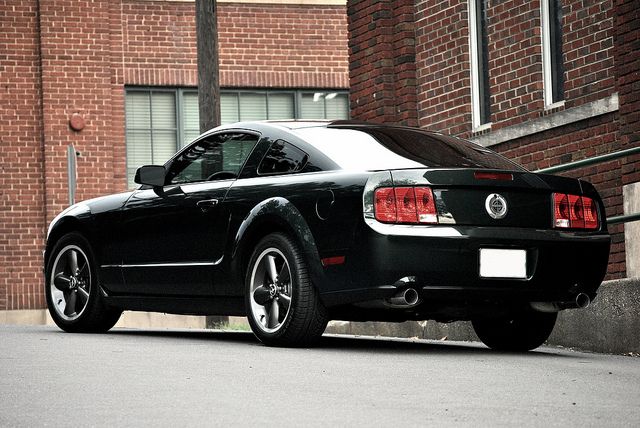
(296,223)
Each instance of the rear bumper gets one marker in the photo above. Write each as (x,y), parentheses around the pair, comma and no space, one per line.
(445,263)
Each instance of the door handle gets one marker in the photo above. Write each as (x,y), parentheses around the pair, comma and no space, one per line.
(206,204)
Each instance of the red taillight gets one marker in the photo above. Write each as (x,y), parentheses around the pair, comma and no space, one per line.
(425,205)
(576,212)
(572,211)
(385,205)
(411,205)
(590,213)
(561,210)
(406,205)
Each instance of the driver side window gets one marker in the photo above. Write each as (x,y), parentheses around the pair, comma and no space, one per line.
(217,157)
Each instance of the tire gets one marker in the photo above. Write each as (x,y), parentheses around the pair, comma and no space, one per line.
(74,300)
(518,332)
(287,311)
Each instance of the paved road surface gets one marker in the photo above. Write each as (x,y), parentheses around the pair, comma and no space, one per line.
(198,378)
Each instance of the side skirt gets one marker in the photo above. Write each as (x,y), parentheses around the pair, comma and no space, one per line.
(229,306)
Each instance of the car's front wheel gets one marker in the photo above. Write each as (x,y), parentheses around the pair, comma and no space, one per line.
(518,332)
(71,288)
(283,307)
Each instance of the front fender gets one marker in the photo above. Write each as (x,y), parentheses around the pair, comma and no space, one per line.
(275,213)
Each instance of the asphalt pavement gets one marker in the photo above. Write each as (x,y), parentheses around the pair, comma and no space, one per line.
(214,378)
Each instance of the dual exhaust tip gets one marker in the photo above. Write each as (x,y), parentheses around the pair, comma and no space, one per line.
(410,297)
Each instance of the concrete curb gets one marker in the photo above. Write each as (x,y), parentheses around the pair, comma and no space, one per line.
(611,324)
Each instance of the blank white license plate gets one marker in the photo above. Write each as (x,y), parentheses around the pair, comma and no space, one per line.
(500,263)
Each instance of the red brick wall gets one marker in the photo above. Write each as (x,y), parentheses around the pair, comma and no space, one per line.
(443,64)
(515,61)
(76,78)
(601,56)
(588,50)
(21,160)
(383,63)
(260,45)
(89,51)
(627,60)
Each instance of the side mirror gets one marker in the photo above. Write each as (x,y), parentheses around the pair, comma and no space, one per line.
(151,175)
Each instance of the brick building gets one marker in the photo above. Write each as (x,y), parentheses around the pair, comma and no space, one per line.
(544,82)
(128,69)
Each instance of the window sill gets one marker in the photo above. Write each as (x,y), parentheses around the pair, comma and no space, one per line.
(482,129)
(554,106)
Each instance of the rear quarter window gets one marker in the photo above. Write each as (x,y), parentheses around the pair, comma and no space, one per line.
(282,158)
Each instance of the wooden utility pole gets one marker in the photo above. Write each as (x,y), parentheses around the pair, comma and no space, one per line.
(208,64)
(208,85)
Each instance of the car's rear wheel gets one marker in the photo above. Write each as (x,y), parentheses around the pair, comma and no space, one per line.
(71,288)
(519,332)
(283,307)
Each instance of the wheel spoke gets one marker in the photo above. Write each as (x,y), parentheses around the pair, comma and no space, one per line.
(284,301)
(271,268)
(61,281)
(73,262)
(70,308)
(274,314)
(83,295)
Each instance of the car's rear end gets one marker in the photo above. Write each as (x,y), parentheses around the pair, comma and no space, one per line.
(451,230)
(473,235)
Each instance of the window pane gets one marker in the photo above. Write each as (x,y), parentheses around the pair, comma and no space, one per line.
(164,146)
(281,106)
(138,152)
(253,106)
(312,106)
(337,106)
(229,108)
(163,109)
(282,158)
(226,152)
(191,119)
(137,110)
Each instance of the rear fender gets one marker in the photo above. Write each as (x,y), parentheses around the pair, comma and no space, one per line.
(280,214)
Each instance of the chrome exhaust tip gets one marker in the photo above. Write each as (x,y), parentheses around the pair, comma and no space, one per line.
(407,297)
(582,300)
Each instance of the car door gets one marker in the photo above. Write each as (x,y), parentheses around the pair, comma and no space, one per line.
(173,237)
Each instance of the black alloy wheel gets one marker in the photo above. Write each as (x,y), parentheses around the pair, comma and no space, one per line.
(71,288)
(283,307)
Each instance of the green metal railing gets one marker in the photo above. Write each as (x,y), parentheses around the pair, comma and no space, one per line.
(592,161)
(589,161)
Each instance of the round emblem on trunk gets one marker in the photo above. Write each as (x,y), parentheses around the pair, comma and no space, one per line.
(496,206)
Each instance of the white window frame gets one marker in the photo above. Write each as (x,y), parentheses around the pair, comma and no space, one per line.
(474,46)
(547,72)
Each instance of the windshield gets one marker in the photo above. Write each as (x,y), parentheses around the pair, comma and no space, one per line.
(378,148)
